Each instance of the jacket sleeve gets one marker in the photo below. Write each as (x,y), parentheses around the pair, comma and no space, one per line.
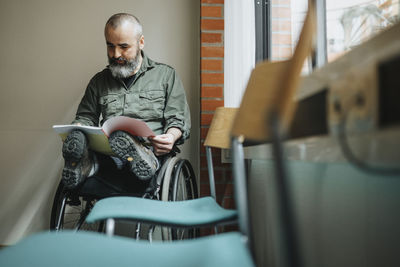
(176,112)
(88,112)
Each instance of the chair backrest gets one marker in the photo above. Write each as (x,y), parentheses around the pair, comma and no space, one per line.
(269,95)
(272,88)
(218,136)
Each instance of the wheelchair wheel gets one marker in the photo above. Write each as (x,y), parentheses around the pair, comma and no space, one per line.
(180,185)
(70,210)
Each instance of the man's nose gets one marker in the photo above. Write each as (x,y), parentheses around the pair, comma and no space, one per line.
(115,52)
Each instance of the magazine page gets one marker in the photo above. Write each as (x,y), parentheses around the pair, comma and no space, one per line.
(98,137)
(133,126)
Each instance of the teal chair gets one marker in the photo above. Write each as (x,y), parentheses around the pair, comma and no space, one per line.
(187,214)
(67,248)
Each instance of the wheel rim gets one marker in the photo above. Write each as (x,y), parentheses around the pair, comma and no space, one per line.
(184,183)
(69,212)
(166,231)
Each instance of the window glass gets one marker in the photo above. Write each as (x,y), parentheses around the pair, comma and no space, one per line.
(349,23)
(352,22)
(287,18)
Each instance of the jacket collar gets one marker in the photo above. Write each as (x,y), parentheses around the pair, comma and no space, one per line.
(147,63)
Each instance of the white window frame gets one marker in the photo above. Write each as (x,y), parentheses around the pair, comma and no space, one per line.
(239,49)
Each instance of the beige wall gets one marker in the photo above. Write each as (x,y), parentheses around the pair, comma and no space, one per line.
(49,51)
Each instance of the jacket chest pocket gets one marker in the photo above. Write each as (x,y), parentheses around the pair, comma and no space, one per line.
(110,104)
(152,103)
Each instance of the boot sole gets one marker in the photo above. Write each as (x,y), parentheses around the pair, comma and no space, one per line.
(74,147)
(127,149)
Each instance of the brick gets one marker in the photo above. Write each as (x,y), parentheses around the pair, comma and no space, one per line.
(212,1)
(211,11)
(275,51)
(212,24)
(212,64)
(206,119)
(203,162)
(224,190)
(211,104)
(275,26)
(228,172)
(212,78)
(281,26)
(281,39)
(217,164)
(204,189)
(281,12)
(281,52)
(211,38)
(216,154)
(228,203)
(203,133)
(206,231)
(231,228)
(281,2)
(218,176)
(203,148)
(212,91)
(204,177)
(212,51)
(285,52)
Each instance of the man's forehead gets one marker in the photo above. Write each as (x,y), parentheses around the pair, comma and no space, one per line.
(124,26)
(120,35)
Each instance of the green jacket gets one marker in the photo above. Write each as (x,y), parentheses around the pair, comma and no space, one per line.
(156,97)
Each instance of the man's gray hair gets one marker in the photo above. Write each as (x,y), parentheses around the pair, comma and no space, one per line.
(117,19)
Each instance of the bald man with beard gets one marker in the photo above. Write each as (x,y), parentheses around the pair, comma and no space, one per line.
(135,86)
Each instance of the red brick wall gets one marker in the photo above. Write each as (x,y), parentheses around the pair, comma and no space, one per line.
(212,95)
(281,28)
(212,82)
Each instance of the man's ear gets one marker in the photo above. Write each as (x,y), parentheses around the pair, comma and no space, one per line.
(141,42)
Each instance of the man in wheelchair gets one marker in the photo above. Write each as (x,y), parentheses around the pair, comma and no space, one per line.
(131,85)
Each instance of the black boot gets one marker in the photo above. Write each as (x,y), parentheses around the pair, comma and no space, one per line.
(143,163)
(78,162)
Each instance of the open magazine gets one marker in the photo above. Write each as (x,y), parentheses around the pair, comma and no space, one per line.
(98,136)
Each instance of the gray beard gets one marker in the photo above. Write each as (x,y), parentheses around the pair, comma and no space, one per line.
(123,71)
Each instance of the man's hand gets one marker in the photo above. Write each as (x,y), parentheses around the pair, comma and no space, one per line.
(164,143)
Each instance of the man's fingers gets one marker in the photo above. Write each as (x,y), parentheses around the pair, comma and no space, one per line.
(163,146)
(163,139)
(162,149)
(160,141)
(159,152)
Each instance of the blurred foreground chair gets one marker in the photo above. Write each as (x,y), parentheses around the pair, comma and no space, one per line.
(88,249)
(265,115)
(187,214)
(69,248)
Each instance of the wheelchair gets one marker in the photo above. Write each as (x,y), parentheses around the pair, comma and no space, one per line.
(174,181)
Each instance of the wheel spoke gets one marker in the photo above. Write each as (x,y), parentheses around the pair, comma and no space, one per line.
(73,215)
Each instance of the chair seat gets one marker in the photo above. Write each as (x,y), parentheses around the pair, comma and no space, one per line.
(188,213)
(69,248)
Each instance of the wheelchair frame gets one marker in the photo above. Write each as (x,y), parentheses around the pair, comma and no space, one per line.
(174,181)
